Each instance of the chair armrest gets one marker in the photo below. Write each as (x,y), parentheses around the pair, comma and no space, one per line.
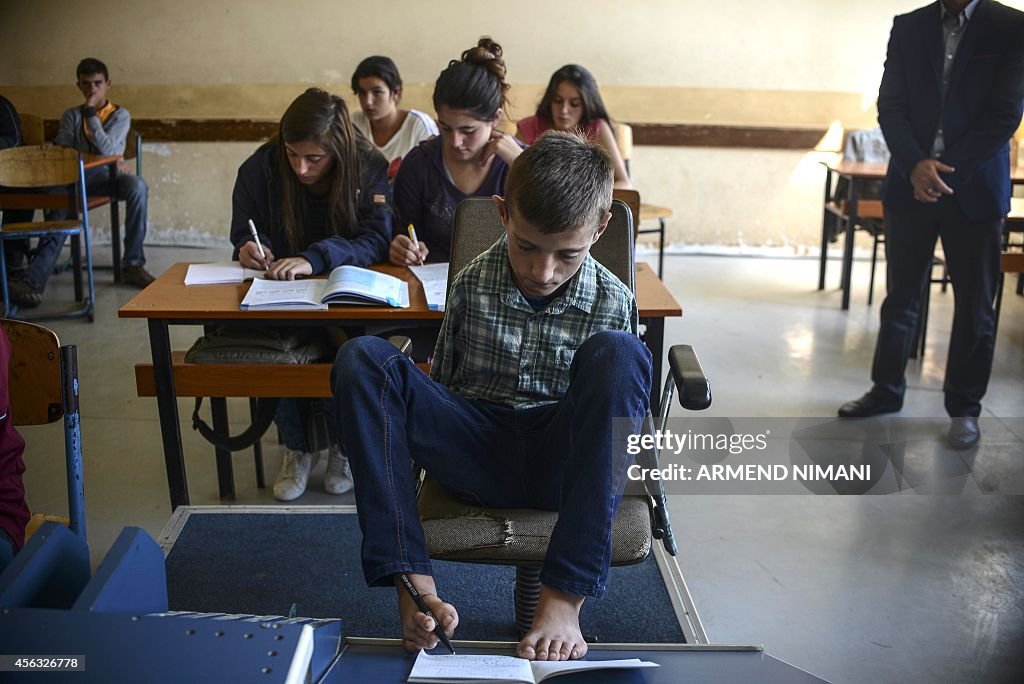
(694,388)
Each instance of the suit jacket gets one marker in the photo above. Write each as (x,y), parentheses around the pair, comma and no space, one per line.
(982,109)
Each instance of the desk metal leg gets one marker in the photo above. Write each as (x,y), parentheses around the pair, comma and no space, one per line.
(851,226)
(225,472)
(257,449)
(654,338)
(823,259)
(661,247)
(115,224)
(76,267)
(167,405)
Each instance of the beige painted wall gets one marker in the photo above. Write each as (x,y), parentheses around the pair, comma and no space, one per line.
(799,63)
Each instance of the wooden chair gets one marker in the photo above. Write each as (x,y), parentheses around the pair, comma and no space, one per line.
(1013,233)
(31,129)
(458,531)
(43,389)
(42,168)
(1009,262)
(132,150)
(647,212)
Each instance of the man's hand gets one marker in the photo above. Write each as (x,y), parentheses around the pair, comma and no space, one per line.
(290,269)
(402,252)
(928,185)
(249,256)
(96,100)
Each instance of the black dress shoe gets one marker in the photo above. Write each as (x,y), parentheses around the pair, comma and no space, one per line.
(964,432)
(869,405)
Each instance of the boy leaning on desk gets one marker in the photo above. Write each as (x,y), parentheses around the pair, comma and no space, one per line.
(534,360)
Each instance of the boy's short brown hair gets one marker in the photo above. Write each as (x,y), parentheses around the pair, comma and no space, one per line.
(561,182)
(91,65)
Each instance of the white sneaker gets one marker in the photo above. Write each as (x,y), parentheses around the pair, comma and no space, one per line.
(338,478)
(291,481)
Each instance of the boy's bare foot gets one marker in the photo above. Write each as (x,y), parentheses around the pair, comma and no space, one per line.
(417,627)
(555,633)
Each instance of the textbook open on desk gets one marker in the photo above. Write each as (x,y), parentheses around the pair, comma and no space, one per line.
(498,668)
(344,285)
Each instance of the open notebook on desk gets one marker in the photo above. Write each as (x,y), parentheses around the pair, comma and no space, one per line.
(498,668)
(344,285)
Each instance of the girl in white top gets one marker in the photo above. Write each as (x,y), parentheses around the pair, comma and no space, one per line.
(393,131)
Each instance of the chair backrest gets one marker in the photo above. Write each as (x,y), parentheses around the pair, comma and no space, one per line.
(43,388)
(478,226)
(32,132)
(631,198)
(41,166)
(38,166)
(35,374)
(623,133)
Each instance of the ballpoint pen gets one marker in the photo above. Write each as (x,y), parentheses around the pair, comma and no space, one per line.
(256,237)
(438,629)
(415,243)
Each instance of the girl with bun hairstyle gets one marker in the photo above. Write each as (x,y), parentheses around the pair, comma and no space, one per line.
(573,102)
(393,131)
(318,195)
(470,158)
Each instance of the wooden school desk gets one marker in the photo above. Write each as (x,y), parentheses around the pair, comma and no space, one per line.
(168,302)
(854,209)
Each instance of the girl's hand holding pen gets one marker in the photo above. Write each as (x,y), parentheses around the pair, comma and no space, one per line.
(402,252)
(249,256)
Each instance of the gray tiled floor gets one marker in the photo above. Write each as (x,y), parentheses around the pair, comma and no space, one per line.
(920,588)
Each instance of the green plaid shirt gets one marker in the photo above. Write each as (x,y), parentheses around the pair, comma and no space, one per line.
(494,346)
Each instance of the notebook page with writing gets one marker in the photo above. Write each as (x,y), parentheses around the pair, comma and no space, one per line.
(470,668)
(284,294)
(497,668)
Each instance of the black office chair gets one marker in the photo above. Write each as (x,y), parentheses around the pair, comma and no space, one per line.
(458,531)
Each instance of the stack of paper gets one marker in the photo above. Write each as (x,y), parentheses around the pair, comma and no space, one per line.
(435,284)
(219,272)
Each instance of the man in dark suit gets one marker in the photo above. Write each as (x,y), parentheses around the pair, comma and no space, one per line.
(951,97)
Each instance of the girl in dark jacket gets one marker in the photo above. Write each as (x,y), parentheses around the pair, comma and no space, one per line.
(318,196)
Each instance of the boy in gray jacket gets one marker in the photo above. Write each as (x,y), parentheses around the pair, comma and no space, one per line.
(98,126)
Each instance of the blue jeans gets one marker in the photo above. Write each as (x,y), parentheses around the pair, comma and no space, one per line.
(559,456)
(130,189)
(290,419)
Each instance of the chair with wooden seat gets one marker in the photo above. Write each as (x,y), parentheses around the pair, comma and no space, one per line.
(43,169)
(1009,262)
(458,531)
(43,385)
(31,129)
(647,212)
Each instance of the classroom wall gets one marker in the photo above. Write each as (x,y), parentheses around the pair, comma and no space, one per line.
(802,64)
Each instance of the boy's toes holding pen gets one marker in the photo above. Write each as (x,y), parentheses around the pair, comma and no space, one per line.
(418,627)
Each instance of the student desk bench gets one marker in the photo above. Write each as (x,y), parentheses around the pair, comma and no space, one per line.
(167,302)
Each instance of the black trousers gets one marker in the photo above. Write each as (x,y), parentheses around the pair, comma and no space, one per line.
(972,251)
